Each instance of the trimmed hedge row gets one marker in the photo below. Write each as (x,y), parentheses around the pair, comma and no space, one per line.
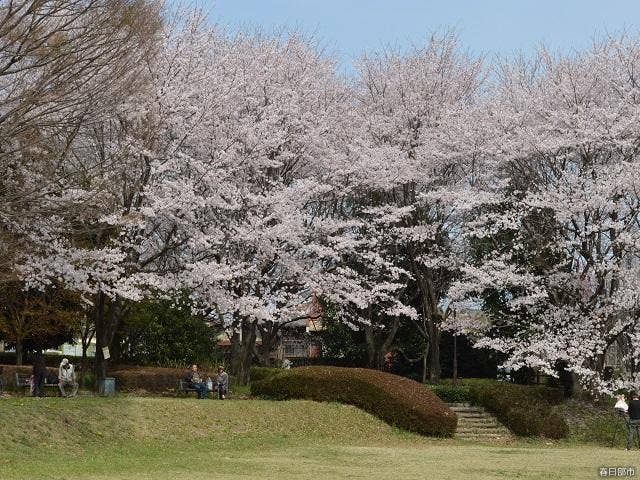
(526,410)
(257,374)
(150,379)
(9,374)
(397,400)
(128,378)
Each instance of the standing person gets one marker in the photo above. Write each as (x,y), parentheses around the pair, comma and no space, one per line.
(39,374)
(222,379)
(634,419)
(67,378)
(196,381)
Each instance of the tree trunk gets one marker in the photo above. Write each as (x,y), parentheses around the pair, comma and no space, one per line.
(107,319)
(379,342)
(18,351)
(99,366)
(434,357)
(83,364)
(242,349)
(370,339)
(268,342)
(424,363)
(431,316)
(87,336)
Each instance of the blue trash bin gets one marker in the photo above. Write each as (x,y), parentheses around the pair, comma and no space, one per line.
(107,387)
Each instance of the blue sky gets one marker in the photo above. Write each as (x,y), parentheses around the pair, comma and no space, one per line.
(349,27)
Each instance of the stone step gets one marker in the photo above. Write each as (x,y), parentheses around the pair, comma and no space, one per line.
(484,437)
(480,426)
(497,431)
(475,422)
(478,420)
(481,430)
(469,409)
(475,416)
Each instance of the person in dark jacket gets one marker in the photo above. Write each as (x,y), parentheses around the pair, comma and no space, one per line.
(634,420)
(39,373)
(195,380)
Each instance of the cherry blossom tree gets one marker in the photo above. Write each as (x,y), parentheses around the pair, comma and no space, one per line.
(411,104)
(553,235)
(273,135)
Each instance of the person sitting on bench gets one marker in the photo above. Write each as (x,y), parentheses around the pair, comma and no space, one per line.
(634,419)
(67,378)
(196,381)
(223,382)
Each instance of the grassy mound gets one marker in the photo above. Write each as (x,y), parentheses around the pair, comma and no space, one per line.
(397,400)
(95,421)
(168,438)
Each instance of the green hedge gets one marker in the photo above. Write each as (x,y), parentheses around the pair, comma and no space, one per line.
(397,400)
(257,374)
(525,410)
(451,393)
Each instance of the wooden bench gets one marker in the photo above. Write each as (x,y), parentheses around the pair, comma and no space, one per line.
(21,382)
(185,389)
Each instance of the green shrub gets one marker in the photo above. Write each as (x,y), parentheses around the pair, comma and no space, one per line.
(554,426)
(396,400)
(257,374)
(451,393)
(525,410)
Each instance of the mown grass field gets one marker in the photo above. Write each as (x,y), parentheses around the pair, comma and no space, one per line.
(164,438)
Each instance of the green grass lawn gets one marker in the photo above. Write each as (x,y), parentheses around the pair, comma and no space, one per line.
(164,438)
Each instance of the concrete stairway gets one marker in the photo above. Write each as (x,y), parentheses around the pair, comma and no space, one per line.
(475,423)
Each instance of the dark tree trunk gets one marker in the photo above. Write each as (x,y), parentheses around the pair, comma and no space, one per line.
(242,349)
(269,337)
(434,353)
(379,342)
(99,366)
(430,294)
(19,352)
(424,363)
(107,320)
(370,339)
(87,336)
